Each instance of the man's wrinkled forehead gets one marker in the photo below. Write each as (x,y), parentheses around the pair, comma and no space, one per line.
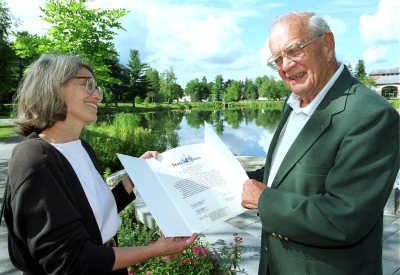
(290,27)
(292,23)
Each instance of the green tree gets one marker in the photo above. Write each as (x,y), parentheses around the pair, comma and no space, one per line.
(138,80)
(28,48)
(197,90)
(153,80)
(360,70)
(122,73)
(265,88)
(252,91)
(168,89)
(76,29)
(283,91)
(7,57)
(361,75)
(217,88)
(176,91)
(233,92)
(257,82)
(368,81)
(271,88)
(206,89)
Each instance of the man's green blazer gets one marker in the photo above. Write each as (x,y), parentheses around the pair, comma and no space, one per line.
(324,211)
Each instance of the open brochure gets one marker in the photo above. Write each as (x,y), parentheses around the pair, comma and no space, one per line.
(190,189)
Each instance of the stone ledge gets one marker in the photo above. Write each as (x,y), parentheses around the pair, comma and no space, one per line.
(393,203)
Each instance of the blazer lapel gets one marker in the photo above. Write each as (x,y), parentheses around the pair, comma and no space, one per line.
(333,103)
(286,112)
(310,133)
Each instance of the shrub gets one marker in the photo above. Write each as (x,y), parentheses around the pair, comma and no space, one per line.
(123,135)
(138,99)
(200,258)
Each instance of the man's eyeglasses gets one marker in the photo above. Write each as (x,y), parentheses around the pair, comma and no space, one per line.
(294,53)
(91,85)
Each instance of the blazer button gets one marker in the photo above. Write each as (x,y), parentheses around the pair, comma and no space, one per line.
(286,238)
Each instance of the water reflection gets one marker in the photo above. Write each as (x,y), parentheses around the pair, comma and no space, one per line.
(247,140)
(245,132)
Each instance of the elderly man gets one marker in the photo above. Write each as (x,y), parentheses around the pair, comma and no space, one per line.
(331,163)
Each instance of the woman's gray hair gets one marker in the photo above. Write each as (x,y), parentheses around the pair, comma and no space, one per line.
(39,99)
(316,24)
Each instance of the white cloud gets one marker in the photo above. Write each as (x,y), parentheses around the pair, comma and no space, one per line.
(214,37)
(338,26)
(376,54)
(248,135)
(196,40)
(383,26)
(265,52)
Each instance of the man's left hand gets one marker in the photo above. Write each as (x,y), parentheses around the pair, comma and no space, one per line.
(252,190)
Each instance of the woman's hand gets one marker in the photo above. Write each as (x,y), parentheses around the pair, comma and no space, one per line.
(173,245)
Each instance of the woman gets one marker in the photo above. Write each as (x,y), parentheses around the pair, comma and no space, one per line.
(61,216)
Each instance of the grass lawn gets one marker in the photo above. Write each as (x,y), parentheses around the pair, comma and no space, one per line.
(6,130)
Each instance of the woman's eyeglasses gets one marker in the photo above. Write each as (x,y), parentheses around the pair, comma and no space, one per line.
(91,85)
(294,53)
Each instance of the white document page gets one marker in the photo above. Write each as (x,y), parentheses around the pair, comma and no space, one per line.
(191,188)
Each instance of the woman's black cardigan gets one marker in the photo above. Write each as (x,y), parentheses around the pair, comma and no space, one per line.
(52,229)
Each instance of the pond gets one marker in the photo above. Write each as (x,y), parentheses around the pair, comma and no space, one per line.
(245,132)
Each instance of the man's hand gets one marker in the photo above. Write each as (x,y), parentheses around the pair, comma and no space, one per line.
(252,190)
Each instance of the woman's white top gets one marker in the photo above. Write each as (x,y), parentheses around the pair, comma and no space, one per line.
(96,190)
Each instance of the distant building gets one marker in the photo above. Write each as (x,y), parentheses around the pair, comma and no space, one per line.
(185,98)
(387,82)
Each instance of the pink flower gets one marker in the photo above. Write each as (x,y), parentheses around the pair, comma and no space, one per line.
(204,251)
(238,239)
(197,250)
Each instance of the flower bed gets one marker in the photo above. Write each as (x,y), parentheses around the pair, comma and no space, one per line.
(200,258)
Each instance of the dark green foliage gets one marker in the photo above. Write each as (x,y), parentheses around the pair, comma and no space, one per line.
(122,136)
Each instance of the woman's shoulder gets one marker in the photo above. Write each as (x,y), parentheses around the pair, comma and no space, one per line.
(31,157)
(32,151)
(32,144)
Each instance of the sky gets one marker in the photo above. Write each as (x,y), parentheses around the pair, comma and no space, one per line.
(210,37)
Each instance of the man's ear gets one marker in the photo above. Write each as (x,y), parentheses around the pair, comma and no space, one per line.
(329,46)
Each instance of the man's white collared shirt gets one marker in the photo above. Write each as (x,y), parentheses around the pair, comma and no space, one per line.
(295,123)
